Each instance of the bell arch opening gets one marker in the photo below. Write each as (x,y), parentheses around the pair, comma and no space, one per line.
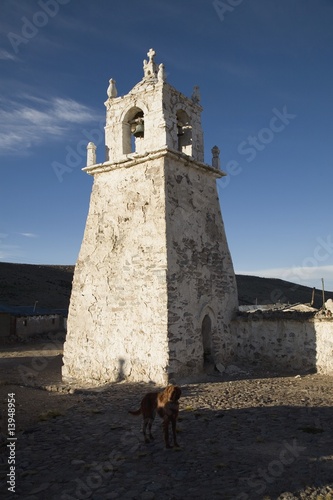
(184,133)
(133,131)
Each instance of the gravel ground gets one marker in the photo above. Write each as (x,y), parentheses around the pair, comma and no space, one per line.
(242,436)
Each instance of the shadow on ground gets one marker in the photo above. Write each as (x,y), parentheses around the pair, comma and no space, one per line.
(256,451)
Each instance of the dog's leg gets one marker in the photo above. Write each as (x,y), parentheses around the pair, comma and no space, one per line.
(146,422)
(165,426)
(150,423)
(173,424)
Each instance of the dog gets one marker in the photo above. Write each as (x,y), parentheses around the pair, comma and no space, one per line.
(166,405)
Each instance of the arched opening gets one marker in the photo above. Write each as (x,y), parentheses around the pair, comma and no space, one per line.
(206,333)
(184,133)
(133,131)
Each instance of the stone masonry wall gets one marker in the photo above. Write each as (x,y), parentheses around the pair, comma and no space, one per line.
(282,344)
(324,344)
(154,261)
(33,325)
(201,278)
(117,324)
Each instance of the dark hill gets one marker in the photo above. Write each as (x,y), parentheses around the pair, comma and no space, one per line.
(24,284)
(255,290)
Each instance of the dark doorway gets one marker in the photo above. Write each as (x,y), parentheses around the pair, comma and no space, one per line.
(206,332)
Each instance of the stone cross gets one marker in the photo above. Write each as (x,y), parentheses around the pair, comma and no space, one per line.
(151,54)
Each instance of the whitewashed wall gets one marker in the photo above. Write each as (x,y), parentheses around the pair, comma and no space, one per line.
(282,343)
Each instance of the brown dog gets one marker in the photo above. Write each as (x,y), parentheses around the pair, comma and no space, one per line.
(166,404)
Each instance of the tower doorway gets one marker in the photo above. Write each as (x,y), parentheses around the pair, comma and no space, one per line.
(206,333)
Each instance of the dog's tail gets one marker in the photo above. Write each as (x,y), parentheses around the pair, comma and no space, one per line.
(135,412)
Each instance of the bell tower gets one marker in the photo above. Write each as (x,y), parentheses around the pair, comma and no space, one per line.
(154,288)
(152,116)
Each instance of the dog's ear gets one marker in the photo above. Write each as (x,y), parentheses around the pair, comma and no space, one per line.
(169,391)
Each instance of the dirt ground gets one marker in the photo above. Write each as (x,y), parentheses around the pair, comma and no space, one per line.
(245,421)
(32,370)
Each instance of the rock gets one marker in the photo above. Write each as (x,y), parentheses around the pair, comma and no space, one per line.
(220,367)
(234,370)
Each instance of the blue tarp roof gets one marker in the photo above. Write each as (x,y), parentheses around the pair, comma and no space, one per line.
(30,310)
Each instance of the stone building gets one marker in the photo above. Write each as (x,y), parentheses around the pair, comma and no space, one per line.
(154,288)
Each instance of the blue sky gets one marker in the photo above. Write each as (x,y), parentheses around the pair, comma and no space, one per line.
(265,73)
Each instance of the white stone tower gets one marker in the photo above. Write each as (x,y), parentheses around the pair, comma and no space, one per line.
(154,288)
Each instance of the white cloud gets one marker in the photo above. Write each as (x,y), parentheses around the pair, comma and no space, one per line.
(36,120)
(29,235)
(71,111)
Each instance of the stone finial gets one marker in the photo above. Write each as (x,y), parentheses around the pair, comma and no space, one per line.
(196,94)
(91,154)
(150,67)
(216,157)
(112,89)
(161,76)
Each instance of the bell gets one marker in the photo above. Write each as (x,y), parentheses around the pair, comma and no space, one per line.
(139,130)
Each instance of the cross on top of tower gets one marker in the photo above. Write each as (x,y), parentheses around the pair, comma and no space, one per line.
(150,68)
(151,54)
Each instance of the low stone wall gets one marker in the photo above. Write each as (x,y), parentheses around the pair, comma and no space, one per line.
(5,325)
(27,326)
(283,341)
(324,333)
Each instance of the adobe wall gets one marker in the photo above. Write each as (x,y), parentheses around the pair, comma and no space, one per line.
(35,325)
(324,359)
(117,322)
(285,341)
(153,262)
(201,279)
(5,324)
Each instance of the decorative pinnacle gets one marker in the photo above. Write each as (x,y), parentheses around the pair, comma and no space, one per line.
(112,89)
(196,94)
(216,157)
